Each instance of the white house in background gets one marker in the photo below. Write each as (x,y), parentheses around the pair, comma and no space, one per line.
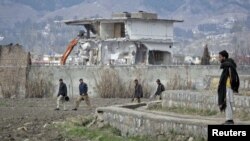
(192,60)
(126,38)
(46,59)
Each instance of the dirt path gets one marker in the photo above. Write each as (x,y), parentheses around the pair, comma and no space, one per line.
(24,119)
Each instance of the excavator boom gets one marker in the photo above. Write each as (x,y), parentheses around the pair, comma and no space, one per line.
(70,47)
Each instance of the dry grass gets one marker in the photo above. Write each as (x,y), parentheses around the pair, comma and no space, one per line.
(244,93)
(242,115)
(178,83)
(11,82)
(110,85)
(13,70)
(146,88)
(39,88)
(8,91)
(36,88)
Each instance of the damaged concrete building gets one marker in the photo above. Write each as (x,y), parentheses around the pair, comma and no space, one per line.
(126,39)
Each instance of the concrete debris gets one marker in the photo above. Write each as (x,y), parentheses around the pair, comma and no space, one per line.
(190,139)
(22,129)
(28,123)
(46,125)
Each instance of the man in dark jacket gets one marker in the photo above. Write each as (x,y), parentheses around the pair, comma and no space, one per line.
(159,90)
(228,84)
(138,91)
(83,94)
(62,93)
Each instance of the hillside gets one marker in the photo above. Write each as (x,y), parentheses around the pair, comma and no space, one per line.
(35,19)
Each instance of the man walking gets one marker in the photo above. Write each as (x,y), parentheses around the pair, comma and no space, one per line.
(138,91)
(62,93)
(83,91)
(159,90)
(228,84)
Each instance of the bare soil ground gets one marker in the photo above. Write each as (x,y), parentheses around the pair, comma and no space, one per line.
(26,119)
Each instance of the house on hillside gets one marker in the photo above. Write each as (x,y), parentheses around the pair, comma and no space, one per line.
(126,38)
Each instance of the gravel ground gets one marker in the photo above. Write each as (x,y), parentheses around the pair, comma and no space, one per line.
(25,119)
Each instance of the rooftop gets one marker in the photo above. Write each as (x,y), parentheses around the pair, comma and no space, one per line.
(121,17)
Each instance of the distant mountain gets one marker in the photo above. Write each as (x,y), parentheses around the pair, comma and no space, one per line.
(98,8)
(12,13)
(193,12)
(44,5)
(189,10)
(202,18)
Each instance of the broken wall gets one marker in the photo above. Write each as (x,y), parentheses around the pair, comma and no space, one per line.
(107,30)
(112,30)
(159,53)
(159,57)
(124,52)
(118,52)
(151,29)
(14,62)
(88,53)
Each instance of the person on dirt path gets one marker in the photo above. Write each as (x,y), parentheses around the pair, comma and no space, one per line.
(159,90)
(83,94)
(62,93)
(228,84)
(138,94)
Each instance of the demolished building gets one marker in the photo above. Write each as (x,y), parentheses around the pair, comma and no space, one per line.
(125,39)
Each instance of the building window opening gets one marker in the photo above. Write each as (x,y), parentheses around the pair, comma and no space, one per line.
(159,57)
(119,30)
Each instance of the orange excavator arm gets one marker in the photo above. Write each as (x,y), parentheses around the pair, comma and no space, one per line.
(70,47)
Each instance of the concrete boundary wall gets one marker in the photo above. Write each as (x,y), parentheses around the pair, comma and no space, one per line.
(173,77)
(132,122)
(135,119)
(201,100)
(214,81)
